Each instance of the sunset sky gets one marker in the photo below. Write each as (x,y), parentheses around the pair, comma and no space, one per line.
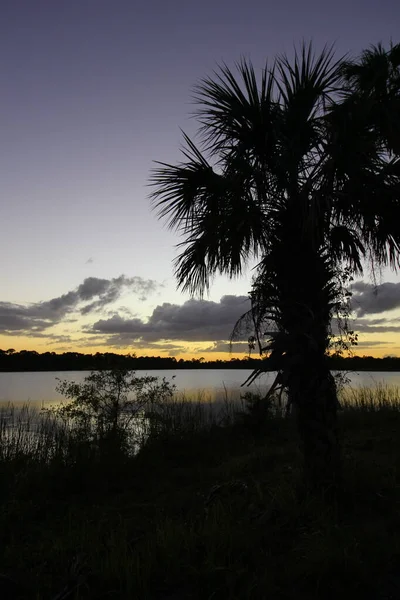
(93,91)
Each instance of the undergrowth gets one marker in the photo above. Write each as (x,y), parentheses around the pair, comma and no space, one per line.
(207,509)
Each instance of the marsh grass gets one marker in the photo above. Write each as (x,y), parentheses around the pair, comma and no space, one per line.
(185,413)
(208,508)
(371,399)
(41,436)
(26,432)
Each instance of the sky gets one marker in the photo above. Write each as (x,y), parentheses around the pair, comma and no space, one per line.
(94,91)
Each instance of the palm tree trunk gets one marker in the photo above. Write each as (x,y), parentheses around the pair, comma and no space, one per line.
(307,300)
(313,393)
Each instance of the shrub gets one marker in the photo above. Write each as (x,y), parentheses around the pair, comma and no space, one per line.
(109,407)
(257,411)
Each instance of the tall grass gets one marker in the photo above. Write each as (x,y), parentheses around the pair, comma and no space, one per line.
(380,397)
(183,413)
(42,436)
(26,432)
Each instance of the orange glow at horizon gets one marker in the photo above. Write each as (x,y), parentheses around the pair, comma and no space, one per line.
(192,350)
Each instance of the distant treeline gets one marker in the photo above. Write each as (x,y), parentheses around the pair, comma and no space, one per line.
(29,360)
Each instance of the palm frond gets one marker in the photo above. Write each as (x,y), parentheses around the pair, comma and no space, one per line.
(179,187)
(231,109)
(223,223)
(345,246)
(373,80)
(310,77)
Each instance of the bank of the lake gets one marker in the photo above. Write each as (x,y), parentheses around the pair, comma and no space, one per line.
(204,514)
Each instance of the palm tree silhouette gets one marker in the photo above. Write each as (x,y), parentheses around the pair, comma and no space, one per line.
(299,170)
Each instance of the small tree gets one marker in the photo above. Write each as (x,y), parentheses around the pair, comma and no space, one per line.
(105,404)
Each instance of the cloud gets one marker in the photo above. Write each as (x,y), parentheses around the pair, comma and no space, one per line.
(16,317)
(175,328)
(224,346)
(193,321)
(370,299)
(121,341)
(376,325)
(92,295)
(207,321)
(374,343)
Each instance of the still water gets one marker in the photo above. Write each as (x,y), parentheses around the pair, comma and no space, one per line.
(39,388)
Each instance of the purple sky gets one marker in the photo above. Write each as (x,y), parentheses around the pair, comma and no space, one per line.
(92,92)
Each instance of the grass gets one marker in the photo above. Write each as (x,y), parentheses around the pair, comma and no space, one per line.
(202,511)
(371,399)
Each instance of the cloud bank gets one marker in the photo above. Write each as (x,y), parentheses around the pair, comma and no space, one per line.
(198,325)
(193,321)
(91,296)
(370,299)
(207,321)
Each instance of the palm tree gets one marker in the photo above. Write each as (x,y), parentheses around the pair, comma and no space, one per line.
(296,171)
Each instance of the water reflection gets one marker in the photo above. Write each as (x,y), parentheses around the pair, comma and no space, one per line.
(209,384)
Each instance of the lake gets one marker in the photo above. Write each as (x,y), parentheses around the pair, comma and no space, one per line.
(38,388)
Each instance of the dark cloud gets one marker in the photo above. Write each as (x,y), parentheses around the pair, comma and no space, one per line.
(224,346)
(92,295)
(193,321)
(207,321)
(376,325)
(374,343)
(121,310)
(370,299)
(123,341)
(16,318)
